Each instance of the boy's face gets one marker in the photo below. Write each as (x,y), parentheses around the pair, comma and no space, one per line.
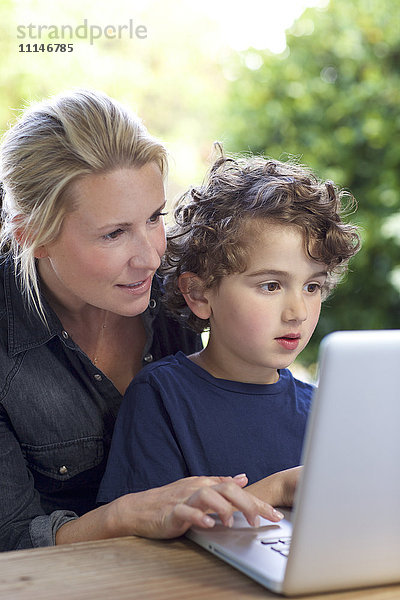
(263,318)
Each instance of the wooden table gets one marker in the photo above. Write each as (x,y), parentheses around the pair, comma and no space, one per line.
(132,567)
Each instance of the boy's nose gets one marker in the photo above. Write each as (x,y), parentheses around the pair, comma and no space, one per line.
(295,309)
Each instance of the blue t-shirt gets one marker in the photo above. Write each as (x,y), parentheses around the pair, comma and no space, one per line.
(177,420)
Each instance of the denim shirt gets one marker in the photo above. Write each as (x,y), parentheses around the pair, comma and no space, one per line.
(57,414)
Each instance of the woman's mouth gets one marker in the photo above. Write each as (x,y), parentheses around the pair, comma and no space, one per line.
(136,288)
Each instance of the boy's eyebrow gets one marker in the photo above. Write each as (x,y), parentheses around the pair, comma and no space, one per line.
(277,273)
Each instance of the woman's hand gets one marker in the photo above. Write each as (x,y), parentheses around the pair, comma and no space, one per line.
(170,510)
(277,489)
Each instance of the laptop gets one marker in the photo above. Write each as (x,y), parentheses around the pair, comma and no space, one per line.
(344,531)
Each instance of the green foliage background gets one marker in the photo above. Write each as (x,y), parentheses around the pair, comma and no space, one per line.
(331,99)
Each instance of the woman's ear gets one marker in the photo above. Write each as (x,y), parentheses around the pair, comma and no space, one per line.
(22,236)
(40,252)
(192,289)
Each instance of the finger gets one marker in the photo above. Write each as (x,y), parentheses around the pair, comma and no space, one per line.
(248,504)
(184,488)
(181,489)
(210,500)
(240,480)
(186,516)
(183,516)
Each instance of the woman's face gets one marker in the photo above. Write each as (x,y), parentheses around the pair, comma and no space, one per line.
(110,245)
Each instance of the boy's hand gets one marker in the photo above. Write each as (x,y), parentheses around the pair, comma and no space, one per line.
(277,489)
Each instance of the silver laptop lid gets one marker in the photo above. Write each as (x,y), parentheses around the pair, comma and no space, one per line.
(346,525)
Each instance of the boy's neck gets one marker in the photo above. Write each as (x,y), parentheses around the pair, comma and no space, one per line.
(224,369)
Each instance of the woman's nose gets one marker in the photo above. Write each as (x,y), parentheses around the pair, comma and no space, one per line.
(144,255)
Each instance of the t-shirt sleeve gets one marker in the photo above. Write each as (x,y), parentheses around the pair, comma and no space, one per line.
(144,451)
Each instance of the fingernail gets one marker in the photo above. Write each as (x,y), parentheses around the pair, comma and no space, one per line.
(240,476)
(278,514)
(256,522)
(208,521)
(229,522)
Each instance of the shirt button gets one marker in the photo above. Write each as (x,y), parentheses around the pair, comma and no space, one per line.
(97,377)
(65,335)
(62,470)
(152,303)
(148,357)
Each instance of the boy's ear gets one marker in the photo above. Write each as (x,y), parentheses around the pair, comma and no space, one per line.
(192,289)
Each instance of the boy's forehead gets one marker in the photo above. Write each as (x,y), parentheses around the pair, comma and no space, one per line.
(277,246)
(258,230)
(268,222)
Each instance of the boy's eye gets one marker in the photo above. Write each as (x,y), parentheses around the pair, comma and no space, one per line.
(270,286)
(156,217)
(312,287)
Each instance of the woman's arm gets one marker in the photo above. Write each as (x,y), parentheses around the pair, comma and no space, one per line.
(23,522)
(169,511)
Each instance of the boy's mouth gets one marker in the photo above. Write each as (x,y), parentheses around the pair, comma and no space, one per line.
(289,341)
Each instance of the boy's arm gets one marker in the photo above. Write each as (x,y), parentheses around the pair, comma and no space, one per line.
(277,489)
(144,452)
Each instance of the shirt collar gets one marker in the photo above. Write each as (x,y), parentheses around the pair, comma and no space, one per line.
(25,328)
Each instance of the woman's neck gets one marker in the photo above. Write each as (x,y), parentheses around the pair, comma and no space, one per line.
(114,343)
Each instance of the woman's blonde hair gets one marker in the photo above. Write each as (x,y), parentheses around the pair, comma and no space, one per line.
(55,142)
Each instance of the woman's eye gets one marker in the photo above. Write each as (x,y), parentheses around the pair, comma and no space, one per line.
(271,286)
(113,235)
(156,217)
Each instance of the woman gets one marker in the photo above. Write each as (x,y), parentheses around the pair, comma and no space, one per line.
(82,236)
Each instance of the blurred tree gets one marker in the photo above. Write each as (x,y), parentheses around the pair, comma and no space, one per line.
(332,100)
(171,77)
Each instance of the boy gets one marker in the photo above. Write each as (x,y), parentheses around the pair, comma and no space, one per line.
(253,253)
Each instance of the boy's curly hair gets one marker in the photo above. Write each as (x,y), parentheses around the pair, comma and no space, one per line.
(210,237)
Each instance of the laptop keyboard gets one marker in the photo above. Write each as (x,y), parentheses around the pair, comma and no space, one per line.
(281,544)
